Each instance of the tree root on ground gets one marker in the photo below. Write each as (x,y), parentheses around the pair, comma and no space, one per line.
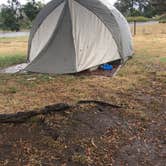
(22,117)
(102,103)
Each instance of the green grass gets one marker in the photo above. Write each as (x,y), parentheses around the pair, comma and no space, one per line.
(163,60)
(11,60)
(138,19)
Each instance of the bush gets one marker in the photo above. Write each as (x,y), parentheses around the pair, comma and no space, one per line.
(9,20)
(138,19)
(162,17)
(25,24)
(162,21)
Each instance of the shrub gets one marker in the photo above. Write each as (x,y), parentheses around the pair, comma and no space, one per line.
(162,21)
(138,19)
(162,17)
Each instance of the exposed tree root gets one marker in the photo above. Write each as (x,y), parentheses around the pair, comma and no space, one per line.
(22,117)
(98,103)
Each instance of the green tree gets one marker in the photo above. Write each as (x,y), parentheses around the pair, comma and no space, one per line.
(32,8)
(0,20)
(149,11)
(10,15)
(159,5)
(126,7)
(135,8)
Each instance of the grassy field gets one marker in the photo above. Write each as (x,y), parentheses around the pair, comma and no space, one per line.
(139,87)
(12,51)
(150,56)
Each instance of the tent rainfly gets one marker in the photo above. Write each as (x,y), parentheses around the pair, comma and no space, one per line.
(70,36)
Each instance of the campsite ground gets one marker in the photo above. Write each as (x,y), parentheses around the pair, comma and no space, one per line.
(88,134)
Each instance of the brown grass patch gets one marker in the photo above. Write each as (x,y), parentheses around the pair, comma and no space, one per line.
(154,29)
(9,46)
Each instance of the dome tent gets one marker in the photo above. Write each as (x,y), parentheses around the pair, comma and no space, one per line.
(70,36)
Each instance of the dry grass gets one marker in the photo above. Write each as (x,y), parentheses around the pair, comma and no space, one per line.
(142,77)
(8,46)
(12,51)
(150,42)
(154,29)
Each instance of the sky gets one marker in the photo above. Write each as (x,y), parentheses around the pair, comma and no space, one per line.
(45,1)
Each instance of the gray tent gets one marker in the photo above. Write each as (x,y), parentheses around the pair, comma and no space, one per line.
(70,36)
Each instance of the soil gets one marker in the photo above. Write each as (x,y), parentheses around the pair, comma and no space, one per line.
(85,135)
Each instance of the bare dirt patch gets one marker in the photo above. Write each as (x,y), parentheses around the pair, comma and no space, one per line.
(87,134)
